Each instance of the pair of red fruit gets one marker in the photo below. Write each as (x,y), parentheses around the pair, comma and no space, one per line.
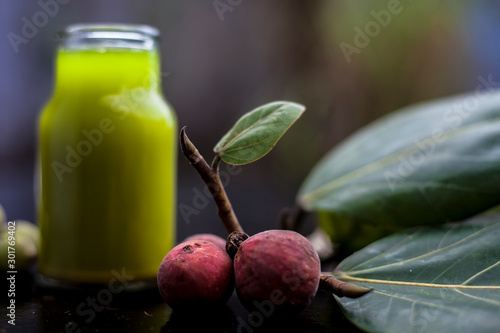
(277,266)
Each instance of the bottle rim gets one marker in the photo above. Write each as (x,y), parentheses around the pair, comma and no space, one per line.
(109,35)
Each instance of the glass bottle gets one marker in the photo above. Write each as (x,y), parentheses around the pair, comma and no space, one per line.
(107,149)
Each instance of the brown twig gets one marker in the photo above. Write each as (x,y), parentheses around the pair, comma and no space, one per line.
(211,178)
(341,288)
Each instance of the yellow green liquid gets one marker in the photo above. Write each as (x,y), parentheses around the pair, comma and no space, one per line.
(114,207)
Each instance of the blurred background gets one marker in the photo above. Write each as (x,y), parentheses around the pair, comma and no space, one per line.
(349,62)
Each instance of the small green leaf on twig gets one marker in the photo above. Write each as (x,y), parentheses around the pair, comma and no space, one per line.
(257,132)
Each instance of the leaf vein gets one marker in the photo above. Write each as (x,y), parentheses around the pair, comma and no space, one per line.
(482,299)
(478,274)
(413,301)
(395,247)
(475,234)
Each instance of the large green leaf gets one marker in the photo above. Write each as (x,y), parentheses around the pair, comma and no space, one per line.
(443,279)
(256,133)
(430,163)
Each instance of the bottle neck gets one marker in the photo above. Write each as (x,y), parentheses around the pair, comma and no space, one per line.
(108,70)
(104,59)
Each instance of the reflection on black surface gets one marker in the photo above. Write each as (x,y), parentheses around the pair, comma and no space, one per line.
(215,320)
(82,311)
(42,310)
(323,315)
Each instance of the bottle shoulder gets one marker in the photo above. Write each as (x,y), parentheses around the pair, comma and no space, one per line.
(127,102)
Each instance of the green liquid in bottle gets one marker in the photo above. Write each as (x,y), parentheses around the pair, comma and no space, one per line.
(108,156)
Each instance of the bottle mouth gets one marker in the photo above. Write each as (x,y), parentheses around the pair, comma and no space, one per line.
(129,36)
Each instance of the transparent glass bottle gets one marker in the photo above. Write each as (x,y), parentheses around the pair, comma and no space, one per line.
(107,147)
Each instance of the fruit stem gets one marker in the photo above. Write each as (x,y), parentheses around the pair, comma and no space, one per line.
(340,288)
(210,176)
(234,241)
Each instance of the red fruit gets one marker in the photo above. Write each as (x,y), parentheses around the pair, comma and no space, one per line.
(220,242)
(195,273)
(277,270)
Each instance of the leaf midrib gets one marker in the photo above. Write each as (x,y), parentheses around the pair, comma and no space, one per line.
(346,277)
(250,127)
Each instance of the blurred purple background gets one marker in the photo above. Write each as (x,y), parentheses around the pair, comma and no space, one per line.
(221,65)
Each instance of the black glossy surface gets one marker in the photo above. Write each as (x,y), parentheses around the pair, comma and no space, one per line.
(42,310)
